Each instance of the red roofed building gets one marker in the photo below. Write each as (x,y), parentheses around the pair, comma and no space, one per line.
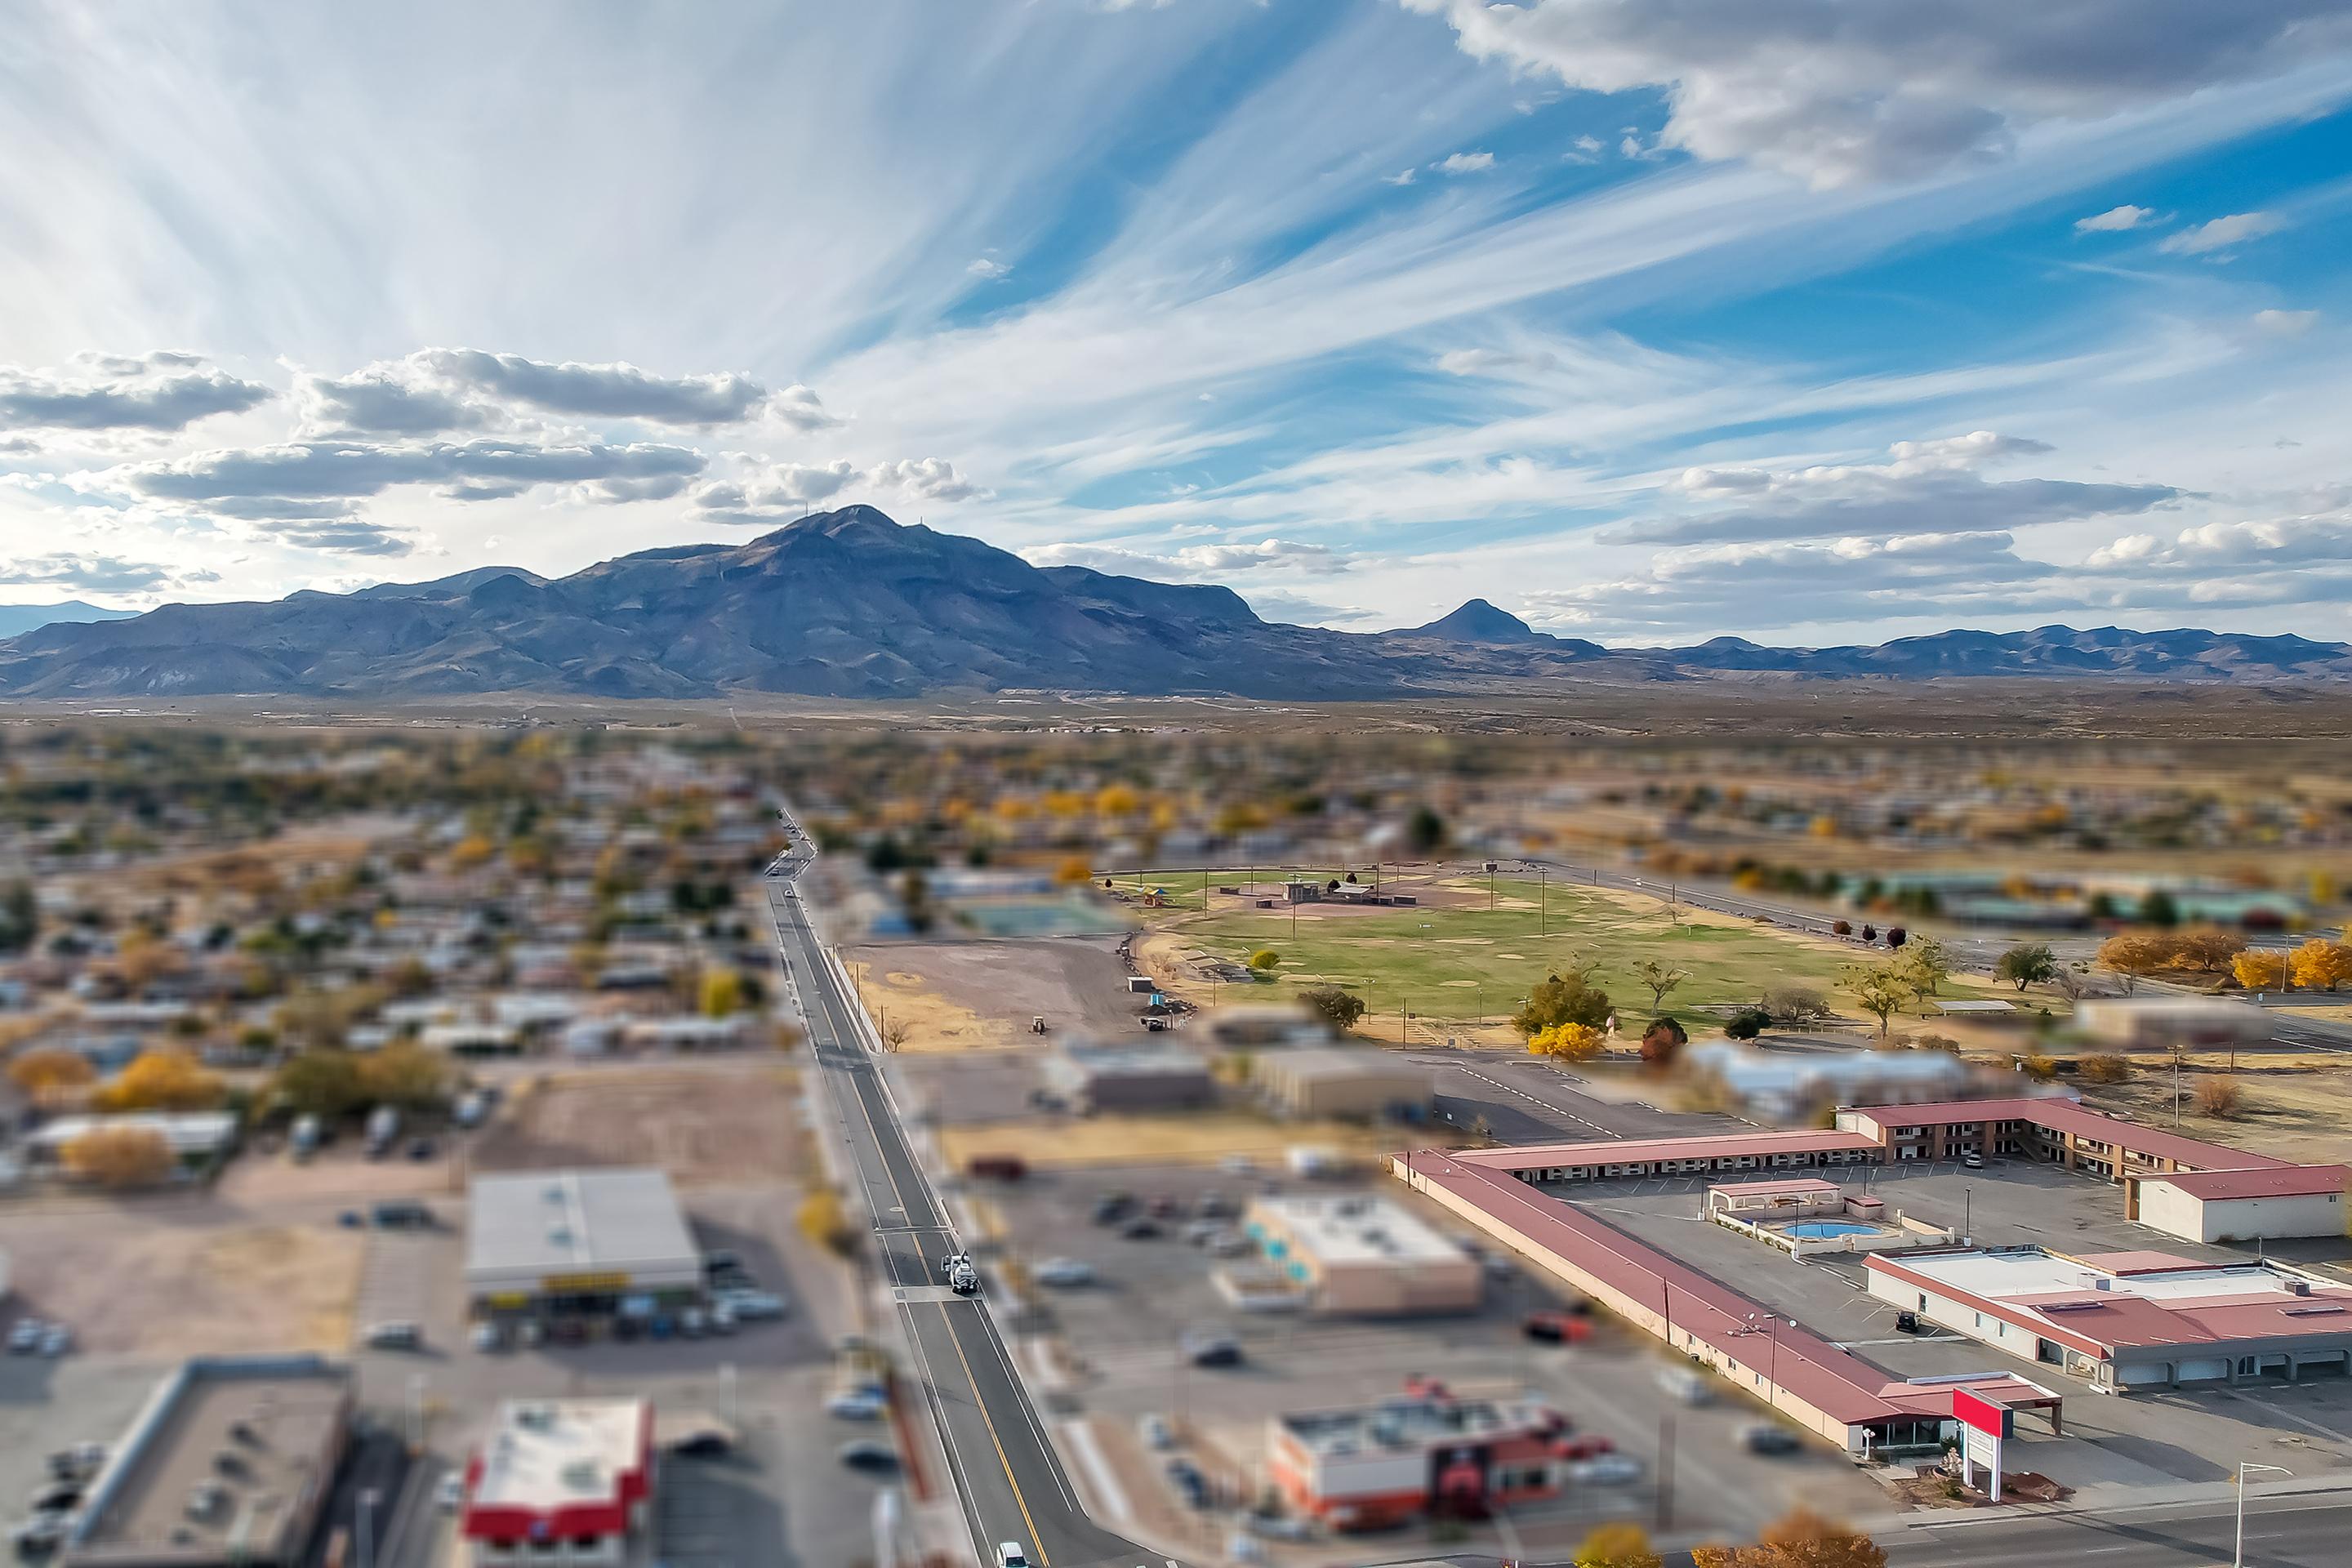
(1430,1453)
(561,1481)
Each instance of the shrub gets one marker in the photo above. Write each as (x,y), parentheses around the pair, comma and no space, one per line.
(1795,1005)
(1748,1023)
(1569,1042)
(120,1158)
(1340,1009)
(2039,1068)
(2220,1097)
(1842,927)
(2106,1069)
(1264,960)
(1662,1040)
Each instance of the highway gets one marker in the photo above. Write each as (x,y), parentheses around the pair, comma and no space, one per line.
(1011,1483)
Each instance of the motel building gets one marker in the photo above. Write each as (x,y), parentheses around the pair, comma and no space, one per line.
(2130,1320)
(560,1481)
(1426,1454)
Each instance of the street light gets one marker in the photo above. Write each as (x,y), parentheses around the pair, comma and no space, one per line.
(2238,1551)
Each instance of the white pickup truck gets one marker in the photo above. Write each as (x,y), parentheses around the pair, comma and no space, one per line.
(962,1278)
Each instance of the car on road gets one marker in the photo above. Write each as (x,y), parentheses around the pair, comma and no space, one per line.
(865,1454)
(1064,1272)
(1764,1437)
(1010,1555)
(1606,1471)
(962,1276)
(392,1336)
(1207,1348)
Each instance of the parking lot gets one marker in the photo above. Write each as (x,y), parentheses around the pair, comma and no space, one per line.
(1122,1335)
(2144,1440)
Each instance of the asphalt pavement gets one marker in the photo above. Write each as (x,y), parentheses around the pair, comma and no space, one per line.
(1011,1482)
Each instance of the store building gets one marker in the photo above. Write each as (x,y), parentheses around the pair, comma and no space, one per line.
(2246,1206)
(556,1244)
(1425,1454)
(1143,1079)
(1344,1081)
(560,1481)
(227,1466)
(2130,1320)
(1362,1256)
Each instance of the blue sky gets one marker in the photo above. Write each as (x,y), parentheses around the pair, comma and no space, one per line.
(1807,320)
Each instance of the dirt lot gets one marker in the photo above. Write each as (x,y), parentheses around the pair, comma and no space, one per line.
(725,1121)
(952,996)
(169,1278)
(2294,1105)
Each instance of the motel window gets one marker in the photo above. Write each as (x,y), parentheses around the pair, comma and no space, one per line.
(1923,1303)
(2245,1366)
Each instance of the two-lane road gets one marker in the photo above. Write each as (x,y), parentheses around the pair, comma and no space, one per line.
(1012,1484)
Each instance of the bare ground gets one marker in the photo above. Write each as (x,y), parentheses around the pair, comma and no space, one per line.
(952,996)
(731,1122)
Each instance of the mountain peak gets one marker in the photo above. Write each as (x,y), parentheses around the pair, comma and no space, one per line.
(1478,622)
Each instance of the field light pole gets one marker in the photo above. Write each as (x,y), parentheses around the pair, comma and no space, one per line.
(2238,1551)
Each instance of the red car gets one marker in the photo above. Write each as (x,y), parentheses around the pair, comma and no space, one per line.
(1557,1328)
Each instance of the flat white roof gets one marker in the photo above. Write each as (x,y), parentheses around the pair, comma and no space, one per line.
(576,1222)
(1356,1229)
(551,1453)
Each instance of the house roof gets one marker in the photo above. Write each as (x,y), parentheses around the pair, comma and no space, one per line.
(2260,1182)
(1637,1151)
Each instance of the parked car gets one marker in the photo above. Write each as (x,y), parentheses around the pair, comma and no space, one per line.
(1064,1272)
(26,1337)
(1208,1348)
(352,1219)
(865,1454)
(692,1324)
(1155,1432)
(1556,1328)
(1214,1206)
(754,1306)
(1606,1469)
(1231,1244)
(39,1537)
(79,1461)
(722,1317)
(1686,1384)
(1972,1160)
(1112,1207)
(392,1336)
(1200,1232)
(719,1259)
(489,1337)
(856,1405)
(421,1149)
(1144,1229)
(402,1215)
(1588,1446)
(1764,1437)
(1906,1322)
(1187,1478)
(58,1497)
(449,1496)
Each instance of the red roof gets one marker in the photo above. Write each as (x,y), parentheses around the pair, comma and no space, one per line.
(1640,1150)
(2066,1116)
(1835,1382)
(2261,1182)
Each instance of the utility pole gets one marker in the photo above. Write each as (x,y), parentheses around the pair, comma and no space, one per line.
(1543,900)
(1666,1470)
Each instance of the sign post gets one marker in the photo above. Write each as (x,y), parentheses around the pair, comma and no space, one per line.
(1983,1426)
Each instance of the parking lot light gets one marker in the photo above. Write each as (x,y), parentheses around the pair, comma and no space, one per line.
(2238,1551)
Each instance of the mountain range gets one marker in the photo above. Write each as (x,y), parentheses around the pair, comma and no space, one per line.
(851,603)
(17,620)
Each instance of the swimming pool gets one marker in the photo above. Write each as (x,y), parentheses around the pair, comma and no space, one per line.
(1817,1229)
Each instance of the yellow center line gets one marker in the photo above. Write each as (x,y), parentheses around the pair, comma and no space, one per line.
(1022,1503)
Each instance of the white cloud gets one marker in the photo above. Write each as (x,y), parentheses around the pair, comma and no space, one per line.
(1496,361)
(2114,220)
(1464,163)
(2286,323)
(987,267)
(91,574)
(1402,177)
(2222,234)
(1844,92)
(1195,562)
(159,392)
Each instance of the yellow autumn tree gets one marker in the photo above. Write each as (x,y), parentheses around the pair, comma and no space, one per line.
(48,1070)
(162,1080)
(2257,970)
(1568,1042)
(119,1158)
(2322,966)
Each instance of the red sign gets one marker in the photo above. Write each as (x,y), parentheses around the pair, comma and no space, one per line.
(1974,1410)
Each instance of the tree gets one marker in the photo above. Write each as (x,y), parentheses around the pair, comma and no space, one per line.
(162,1080)
(1262,962)
(1658,979)
(722,993)
(1793,1006)
(2107,1068)
(1568,1042)
(2028,964)
(404,1073)
(322,1083)
(20,916)
(1425,830)
(1798,1539)
(2206,949)
(1663,1041)
(119,1158)
(2257,970)
(2159,910)
(1617,1545)
(824,1221)
(1339,1009)
(1926,964)
(1748,1023)
(2322,966)
(48,1070)
(1562,999)
(1880,990)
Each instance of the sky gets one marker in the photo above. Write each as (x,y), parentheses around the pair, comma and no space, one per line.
(1649,321)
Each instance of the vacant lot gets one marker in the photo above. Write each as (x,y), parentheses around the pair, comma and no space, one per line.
(175,1277)
(1471,954)
(715,1122)
(952,997)
(2294,1106)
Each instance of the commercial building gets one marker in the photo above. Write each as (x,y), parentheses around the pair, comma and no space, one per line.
(1350,1081)
(565,1481)
(1819,1385)
(2160,1022)
(2245,1206)
(1139,1078)
(579,1243)
(1362,1256)
(1428,1453)
(1256,1027)
(1784,1087)
(1709,1154)
(2130,1320)
(229,1463)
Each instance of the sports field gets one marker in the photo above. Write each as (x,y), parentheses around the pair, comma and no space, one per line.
(1467,951)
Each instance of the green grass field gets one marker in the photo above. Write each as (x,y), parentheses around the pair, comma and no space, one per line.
(1464,963)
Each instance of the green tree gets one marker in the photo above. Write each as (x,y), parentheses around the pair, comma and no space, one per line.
(2160,910)
(1925,965)
(1562,999)
(1658,979)
(20,916)
(1425,830)
(1748,1023)
(1880,989)
(404,1073)
(2028,964)
(1340,1009)
(322,1083)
